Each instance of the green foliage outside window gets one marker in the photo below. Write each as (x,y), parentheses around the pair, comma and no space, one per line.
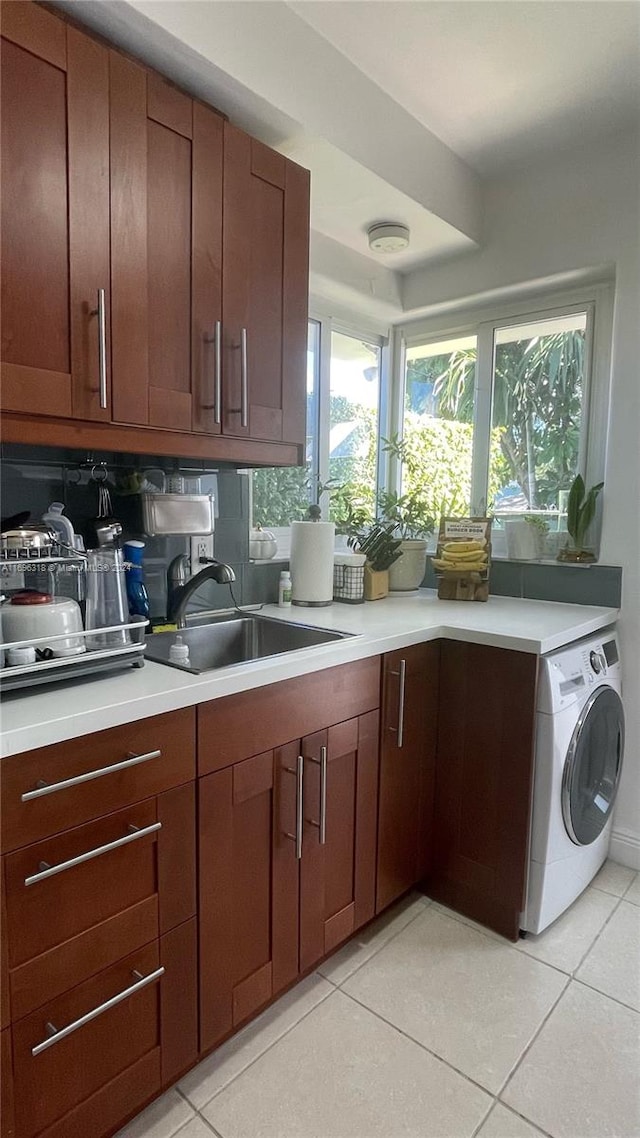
(534,441)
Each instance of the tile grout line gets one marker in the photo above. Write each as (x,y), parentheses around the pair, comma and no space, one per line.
(496,939)
(423,1046)
(183,1126)
(606,996)
(629,887)
(428,903)
(597,936)
(532,1040)
(393,936)
(508,944)
(334,986)
(216,1133)
(478,1128)
(323,1000)
(496,1102)
(563,971)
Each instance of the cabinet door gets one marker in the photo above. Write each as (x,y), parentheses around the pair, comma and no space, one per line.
(265,291)
(55,217)
(166,200)
(337,870)
(407,758)
(483,783)
(248,889)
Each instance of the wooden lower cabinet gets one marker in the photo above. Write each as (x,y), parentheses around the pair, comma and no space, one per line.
(484,780)
(133,1030)
(7,1104)
(248,890)
(338,864)
(407,766)
(299,844)
(287,866)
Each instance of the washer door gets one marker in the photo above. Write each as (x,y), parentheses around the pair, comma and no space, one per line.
(592,767)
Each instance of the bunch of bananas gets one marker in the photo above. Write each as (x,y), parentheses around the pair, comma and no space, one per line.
(465,556)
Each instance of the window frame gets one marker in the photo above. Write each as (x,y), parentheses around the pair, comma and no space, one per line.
(347,326)
(482,322)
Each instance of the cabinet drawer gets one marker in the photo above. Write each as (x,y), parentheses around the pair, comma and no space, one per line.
(251,722)
(46,791)
(104,1027)
(80,901)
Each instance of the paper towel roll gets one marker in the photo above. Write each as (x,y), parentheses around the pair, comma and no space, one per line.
(312,562)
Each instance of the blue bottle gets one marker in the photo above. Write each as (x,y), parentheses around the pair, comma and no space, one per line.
(137,595)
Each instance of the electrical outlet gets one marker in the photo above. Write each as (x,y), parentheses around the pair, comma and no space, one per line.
(200,547)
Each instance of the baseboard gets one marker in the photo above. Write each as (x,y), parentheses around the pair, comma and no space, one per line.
(625,848)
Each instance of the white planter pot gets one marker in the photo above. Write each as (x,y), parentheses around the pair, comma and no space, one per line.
(406,574)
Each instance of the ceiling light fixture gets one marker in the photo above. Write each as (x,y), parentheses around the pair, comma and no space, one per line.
(385,237)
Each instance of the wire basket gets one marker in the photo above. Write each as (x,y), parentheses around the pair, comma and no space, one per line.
(348,580)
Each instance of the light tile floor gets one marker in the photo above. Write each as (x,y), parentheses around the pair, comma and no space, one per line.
(426,1026)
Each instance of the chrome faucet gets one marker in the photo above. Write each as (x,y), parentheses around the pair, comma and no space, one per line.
(180,589)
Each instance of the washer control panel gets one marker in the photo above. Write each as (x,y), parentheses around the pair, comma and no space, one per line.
(570,672)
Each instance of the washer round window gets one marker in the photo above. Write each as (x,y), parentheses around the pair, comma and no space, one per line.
(593,765)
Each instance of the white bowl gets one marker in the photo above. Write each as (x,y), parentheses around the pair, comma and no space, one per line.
(52,618)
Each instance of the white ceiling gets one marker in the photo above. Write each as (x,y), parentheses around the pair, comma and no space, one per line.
(401,109)
(347,198)
(498,81)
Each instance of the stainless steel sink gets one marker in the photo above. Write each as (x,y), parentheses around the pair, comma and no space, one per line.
(236,638)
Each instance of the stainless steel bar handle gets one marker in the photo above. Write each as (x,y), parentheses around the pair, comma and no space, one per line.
(399,730)
(322,824)
(43,788)
(323,795)
(299,805)
(218,373)
(50,870)
(244,370)
(298,770)
(55,1034)
(102,347)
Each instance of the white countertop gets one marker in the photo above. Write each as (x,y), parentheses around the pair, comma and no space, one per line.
(64,711)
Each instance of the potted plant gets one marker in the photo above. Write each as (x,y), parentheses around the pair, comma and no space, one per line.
(381,550)
(409,516)
(581,510)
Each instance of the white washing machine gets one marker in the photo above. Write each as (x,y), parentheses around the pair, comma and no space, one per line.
(578,761)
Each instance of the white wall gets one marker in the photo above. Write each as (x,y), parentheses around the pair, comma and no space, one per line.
(577,213)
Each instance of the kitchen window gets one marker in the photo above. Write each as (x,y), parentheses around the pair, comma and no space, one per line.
(504,412)
(344,417)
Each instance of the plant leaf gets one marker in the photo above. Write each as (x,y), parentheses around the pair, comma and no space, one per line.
(576,495)
(587,513)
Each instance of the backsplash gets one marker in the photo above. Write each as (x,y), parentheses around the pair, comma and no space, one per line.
(546,581)
(33,477)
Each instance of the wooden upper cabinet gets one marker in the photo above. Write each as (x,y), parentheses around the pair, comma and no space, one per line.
(154,258)
(265,291)
(166,226)
(55,217)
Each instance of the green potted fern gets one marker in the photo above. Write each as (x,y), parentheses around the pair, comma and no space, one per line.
(581,509)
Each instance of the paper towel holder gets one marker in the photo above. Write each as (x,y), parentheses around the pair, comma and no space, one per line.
(312,568)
